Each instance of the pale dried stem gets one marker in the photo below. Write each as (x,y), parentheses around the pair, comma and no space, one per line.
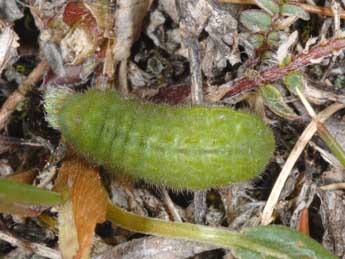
(18,95)
(321,10)
(307,134)
(36,248)
(306,104)
(333,186)
(171,206)
(324,133)
(123,80)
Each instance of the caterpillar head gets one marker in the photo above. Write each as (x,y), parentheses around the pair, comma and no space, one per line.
(54,99)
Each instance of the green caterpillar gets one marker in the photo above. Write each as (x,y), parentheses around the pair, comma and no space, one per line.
(179,147)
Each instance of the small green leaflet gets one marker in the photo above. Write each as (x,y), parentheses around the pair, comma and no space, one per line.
(256,20)
(268,5)
(276,103)
(289,10)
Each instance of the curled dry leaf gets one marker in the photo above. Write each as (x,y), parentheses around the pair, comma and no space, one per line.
(129,18)
(9,10)
(88,204)
(76,74)
(54,58)
(8,45)
(77,45)
(169,7)
(101,11)
(77,14)
(81,41)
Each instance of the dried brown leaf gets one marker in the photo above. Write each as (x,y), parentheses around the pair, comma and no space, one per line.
(303,225)
(26,176)
(68,236)
(8,47)
(21,209)
(88,202)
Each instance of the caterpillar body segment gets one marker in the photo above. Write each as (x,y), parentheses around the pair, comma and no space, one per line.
(179,147)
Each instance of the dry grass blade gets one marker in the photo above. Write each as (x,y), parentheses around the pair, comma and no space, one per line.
(307,134)
(171,206)
(333,186)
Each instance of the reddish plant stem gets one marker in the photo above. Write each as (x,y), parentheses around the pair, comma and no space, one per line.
(307,7)
(18,95)
(276,72)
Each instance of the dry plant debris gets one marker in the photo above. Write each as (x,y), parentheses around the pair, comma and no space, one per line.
(281,59)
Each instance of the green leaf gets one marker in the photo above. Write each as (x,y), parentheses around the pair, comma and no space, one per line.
(275,102)
(256,20)
(290,243)
(256,40)
(268,5)
(265,242)
(289,10)
(274,38)
(294,80)
(14,192)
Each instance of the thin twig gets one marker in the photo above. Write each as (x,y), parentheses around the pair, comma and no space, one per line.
(5,140)
(306,104)
(320,10)
(18,95)
(276,72)
(333,186)
(171,206)
(196,77)
(324,133)
(190,32)
(200,206)
(123,80)
(307,134)
(37,248)
(307,7)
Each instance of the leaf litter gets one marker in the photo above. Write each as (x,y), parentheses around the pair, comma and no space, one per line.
(178,52)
